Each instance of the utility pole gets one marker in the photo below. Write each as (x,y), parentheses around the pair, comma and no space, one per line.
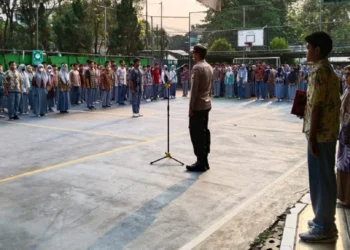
(321,1)
(146,24)
(245,48)
(189,43)
(37,26)
(157,30)
(162,35)
(105,33)
(243,16)
(152,41)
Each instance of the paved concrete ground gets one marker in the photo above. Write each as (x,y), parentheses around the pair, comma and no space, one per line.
(83,180)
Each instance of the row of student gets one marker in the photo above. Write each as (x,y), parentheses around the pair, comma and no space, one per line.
(48,87)
(262,81)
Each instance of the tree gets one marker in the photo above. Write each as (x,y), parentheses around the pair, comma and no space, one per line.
(178,42)
(225,24)
(72,34)
(221,44)
(305,18)
(278,43)
(8,8)
(26,18)
(160,38)
(125,38)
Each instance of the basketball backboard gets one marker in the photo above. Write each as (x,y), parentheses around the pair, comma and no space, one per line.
(256,37)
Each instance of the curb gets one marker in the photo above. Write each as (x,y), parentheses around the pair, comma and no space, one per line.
(290,228)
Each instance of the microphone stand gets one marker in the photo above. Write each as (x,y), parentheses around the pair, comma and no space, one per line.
(167,153)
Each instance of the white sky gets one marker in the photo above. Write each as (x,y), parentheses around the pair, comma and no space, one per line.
(175,8)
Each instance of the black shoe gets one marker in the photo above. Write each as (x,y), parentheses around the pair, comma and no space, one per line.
(16,118)
(197,167)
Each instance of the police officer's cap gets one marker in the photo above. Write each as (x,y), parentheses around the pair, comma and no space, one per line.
(200,49)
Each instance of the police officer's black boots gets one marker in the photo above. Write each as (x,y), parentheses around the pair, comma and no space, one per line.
(201,165)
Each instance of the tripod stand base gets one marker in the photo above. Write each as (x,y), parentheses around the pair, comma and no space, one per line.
(167,156)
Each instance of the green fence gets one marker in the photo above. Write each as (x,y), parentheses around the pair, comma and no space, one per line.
(5,58)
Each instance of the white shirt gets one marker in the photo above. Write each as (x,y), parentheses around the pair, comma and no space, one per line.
(173,76)
(121,73)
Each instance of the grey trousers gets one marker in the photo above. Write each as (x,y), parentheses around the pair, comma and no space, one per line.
(13,103)
(185,88)
(23,105)
(106,98)
(229,90)
(116,94)
(91,95)
(217,88)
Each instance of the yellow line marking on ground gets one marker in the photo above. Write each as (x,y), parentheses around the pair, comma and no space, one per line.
(72,162)
(117,149)
(77,130)
(107,113)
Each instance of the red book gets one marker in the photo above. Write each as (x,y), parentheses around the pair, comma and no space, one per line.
(299,104)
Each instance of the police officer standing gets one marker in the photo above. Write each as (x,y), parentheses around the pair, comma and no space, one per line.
(200,105)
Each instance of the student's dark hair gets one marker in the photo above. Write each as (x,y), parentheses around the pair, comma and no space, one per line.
(89,61)
(43,63)
(54,66)
(148,66)
(81,65)
(136,60)
(10,63)
(156,64)
(0,64)
(107,62)
(322,40)
(121,61)
(112,62)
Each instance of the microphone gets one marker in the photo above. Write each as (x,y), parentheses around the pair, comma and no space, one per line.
(183,65)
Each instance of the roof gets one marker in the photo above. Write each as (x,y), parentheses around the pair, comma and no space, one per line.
(170,57)
(179,52)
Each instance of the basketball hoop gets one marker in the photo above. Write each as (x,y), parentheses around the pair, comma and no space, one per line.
(248,46)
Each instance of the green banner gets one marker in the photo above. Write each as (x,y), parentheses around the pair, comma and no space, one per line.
(37,57)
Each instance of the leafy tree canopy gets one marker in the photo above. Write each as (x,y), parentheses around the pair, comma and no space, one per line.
(279,43)
(221,44)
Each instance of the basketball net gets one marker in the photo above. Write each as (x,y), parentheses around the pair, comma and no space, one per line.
(214,4)
(248,46)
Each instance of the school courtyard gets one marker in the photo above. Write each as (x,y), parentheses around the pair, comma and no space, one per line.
(83,180)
